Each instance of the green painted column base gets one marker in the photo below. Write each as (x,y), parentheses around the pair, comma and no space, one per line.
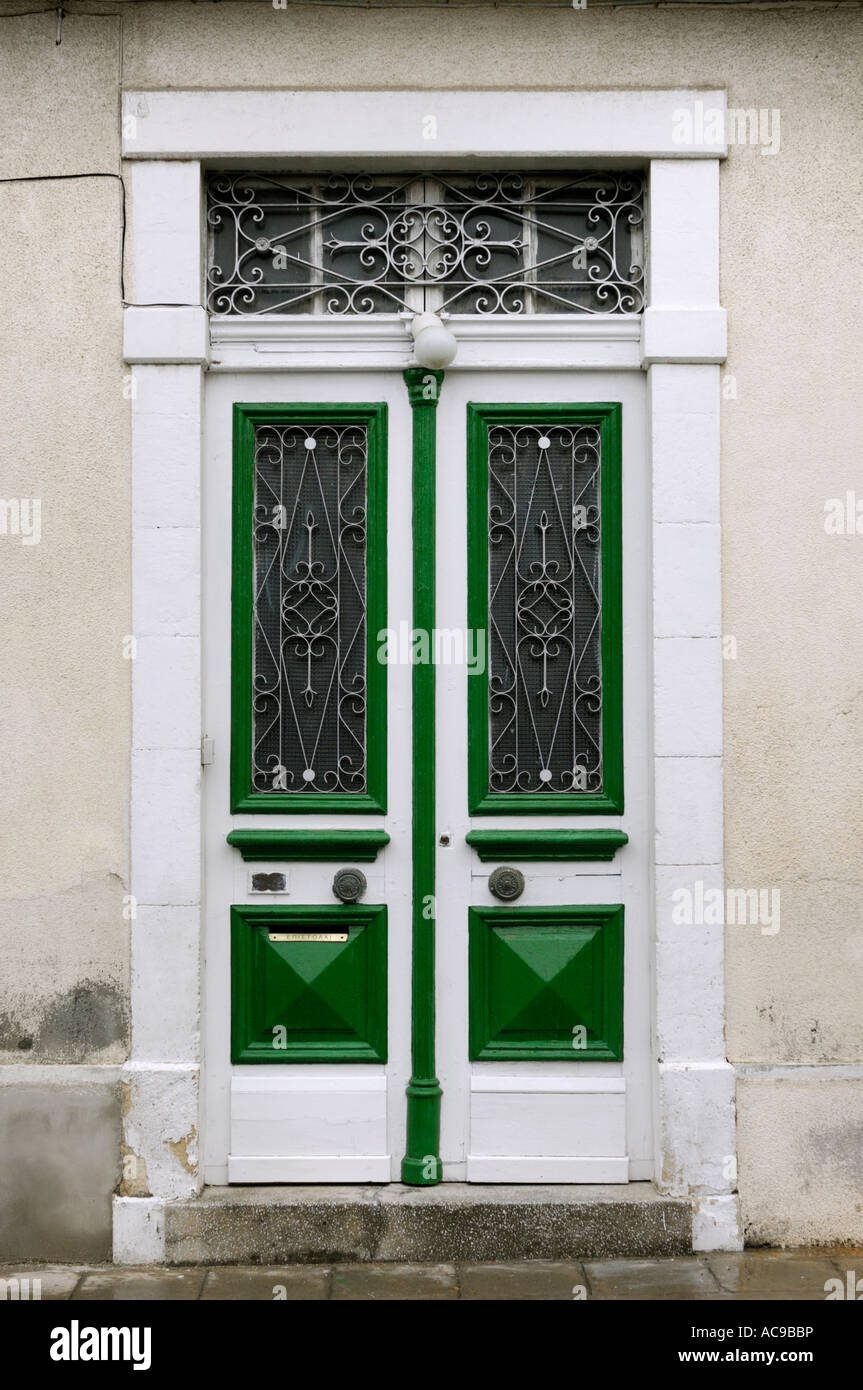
(421,1166)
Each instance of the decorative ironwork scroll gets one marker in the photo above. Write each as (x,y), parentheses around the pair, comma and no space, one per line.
(309,673)
(477,244)
(545,609)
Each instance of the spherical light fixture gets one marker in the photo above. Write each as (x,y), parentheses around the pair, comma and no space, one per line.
(434,345)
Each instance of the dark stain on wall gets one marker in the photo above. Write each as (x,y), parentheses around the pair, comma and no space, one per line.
(74,1026)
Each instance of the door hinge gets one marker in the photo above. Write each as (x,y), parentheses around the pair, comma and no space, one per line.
(208,751)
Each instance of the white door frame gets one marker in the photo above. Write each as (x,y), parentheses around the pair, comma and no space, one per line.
(679,341)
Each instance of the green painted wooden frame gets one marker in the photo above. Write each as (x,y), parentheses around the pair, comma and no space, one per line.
(308,846)
(606,417)
(607,918)
(246,418)
(247,925)
(547,845)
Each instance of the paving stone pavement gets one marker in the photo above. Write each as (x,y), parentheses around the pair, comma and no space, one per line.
(775,1275)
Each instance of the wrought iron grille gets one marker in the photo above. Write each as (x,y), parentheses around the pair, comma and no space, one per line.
(309,633)
(467,244)
(545,609)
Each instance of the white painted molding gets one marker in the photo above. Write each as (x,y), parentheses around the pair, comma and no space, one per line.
(419,126)
(279,330)
(301,342)
(161,1126)
(166,338)
(717,1223)
(683,322)
(139,1231)
(684,444)
(695,1085)
(307,343)
(161,1120)
(165,335)
(683,233)
(697,1128)
(683,335)
(546,328)
(484,1084)
(166,252)
(491,1168)
(363,1168)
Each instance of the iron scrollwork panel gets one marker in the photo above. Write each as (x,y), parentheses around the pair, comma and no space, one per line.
(545,695)
(495,243)
(309,677)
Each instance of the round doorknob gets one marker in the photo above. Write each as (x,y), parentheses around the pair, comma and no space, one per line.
(349,885)
(506,884)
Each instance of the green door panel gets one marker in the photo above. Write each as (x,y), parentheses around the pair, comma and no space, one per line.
(546,983)
(309,1001)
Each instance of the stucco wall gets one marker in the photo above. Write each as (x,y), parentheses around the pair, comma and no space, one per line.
(64,440)
(791,423)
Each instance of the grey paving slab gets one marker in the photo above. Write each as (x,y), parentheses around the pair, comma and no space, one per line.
(686,1277)
(144,1285)
(47,1282)
(770,1275)
(773,1271)
(772,1297)
(411,1283)
(273,1285)
(540,1279)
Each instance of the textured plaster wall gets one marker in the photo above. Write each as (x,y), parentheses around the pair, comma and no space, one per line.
(800,1156)
(61,1163)
(64,440)
(791,258)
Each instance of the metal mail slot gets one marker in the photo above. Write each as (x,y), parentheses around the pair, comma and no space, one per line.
(308,935)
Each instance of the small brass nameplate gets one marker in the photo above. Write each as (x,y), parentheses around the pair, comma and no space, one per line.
(308,936)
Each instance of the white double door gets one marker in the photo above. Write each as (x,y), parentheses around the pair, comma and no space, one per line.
(524,1107)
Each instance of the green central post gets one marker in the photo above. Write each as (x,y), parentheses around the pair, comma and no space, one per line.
(421,1165)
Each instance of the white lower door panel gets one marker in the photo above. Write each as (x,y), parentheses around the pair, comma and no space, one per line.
(545,1129)
(342,1125)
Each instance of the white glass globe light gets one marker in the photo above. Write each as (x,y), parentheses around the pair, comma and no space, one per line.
(434,345)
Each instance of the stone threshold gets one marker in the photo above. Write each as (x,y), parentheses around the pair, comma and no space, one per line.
(452,1222)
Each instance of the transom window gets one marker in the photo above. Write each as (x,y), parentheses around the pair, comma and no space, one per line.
(484,243)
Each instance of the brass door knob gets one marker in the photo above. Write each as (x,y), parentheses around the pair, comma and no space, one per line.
(506,884)
(349,885)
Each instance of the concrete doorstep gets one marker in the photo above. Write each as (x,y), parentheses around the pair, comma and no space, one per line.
(451,1224)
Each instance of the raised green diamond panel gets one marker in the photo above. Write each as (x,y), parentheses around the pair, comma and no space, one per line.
(309,1000)
(546,983)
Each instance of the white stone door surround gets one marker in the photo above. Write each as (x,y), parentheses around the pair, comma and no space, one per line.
(679,342)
